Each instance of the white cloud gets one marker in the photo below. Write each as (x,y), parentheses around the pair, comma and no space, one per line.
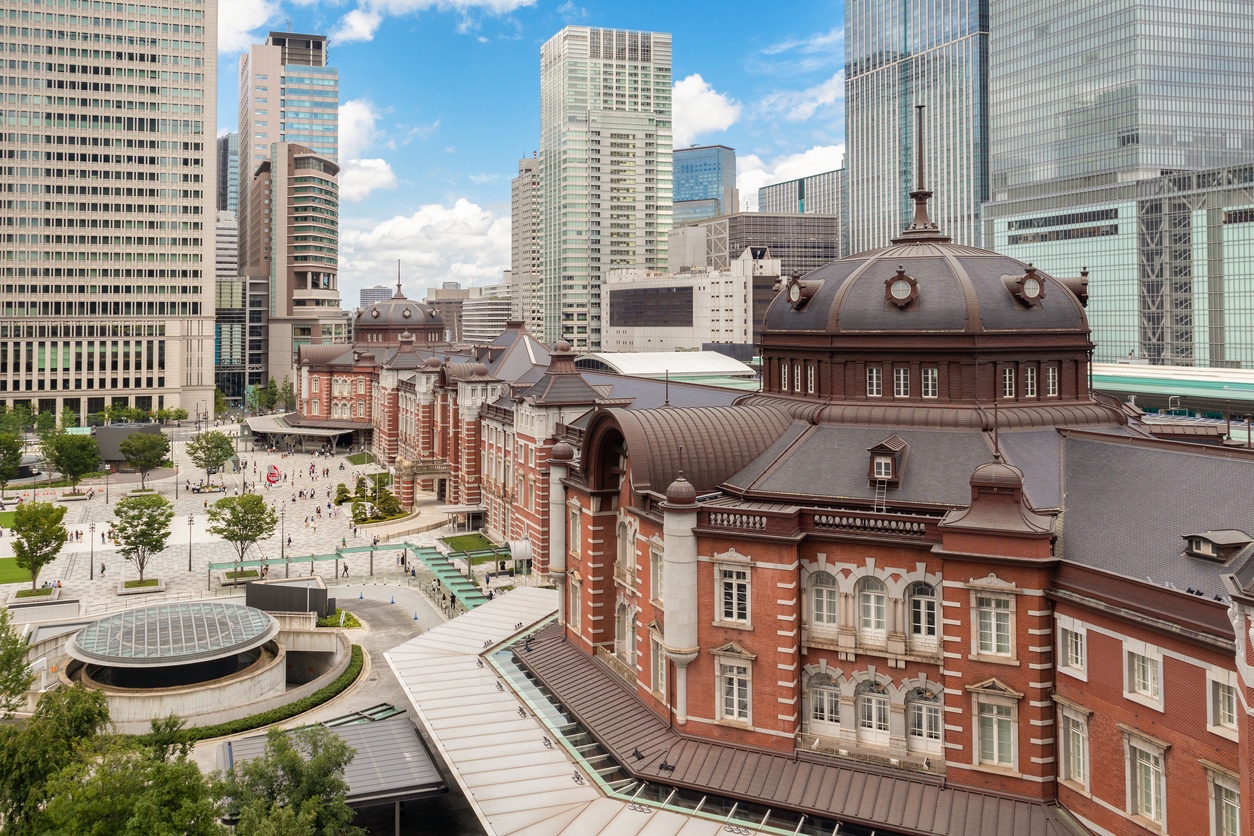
(800,105)
(819,42)
(752,173)
(358,118)
(359,178)
(483,179)
(361,23)
(237,19)
(697,108)
(463,242)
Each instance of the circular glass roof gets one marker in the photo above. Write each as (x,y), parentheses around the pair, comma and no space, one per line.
(172,634)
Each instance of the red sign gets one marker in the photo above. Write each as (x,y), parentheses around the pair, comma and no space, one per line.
(272,474)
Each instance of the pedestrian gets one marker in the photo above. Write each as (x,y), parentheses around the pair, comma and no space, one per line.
(289,540)
(490,595)
(102,568)
(344,574)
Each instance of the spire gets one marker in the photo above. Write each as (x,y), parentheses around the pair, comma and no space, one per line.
(398,295)
(921,228)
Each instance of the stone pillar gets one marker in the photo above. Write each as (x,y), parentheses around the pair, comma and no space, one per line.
(679,584)
(559,460)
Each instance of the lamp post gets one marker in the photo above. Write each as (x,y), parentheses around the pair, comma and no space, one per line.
(108,469)
(190,519)
(176,472)
(91,544)
(287,566)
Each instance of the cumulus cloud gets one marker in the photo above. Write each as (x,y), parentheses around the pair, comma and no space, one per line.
(359,130)
(359,178)
(752,172)
(361,23)
(800,105)
(238,18)
(463,242)
(697,108)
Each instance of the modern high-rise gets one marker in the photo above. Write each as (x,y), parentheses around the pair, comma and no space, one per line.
(704,182)
(230,354)
(801,242)
(900,54)
(817,194)
(368,296)
(605,168)
(524,256)
(107,206)
(1121,141)
(228,172)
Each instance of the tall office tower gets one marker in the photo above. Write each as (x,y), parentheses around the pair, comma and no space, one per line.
(226,247)
(704,182)
(228,172)
(368,296)
(1097,109)
(818,194)
(230,309)
(287,93)
(900,54)
(303,252)
(107,211)
(605,168)
(524,240)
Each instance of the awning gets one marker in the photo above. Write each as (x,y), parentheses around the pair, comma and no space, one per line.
(461,509)
(277,425)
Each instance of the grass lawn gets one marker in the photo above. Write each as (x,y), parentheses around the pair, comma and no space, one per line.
(33,593)
(333,620)
(469,542)
(10,573)
(6,518)
(246,573)
(137,584)
(361,458)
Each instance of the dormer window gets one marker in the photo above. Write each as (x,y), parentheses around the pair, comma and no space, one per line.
(1220,545)
(1201,547)
(887,460)
(882,467)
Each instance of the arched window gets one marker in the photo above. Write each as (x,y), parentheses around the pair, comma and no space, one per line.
(824,697)
(624,640)
(873,714)
(824,597)
(923,721)
(872,611)
(625,561)
(924,616)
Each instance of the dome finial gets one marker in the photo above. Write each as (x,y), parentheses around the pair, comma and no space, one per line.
(921,228)
(398,295)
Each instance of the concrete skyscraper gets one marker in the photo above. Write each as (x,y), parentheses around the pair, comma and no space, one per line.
(899,54)
(704,182)
(1121,141)
(605,168)
(228,172)
(524,258)
(107,207)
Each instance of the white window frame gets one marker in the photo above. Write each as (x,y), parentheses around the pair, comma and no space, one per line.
(882,467)
(573,608)
(734,689)
(657,666)
(1223,704)
(783,375)
(313,384)
(657,574)
(993,622)
(1073,648)
(796,378)
(1224,790)
(824,602)
(1074,750)
(1143,673)
(924,617)
(1029,382)
(874,708)
(999,716)
(901,382)
(574,527)
(823,706)
(728,579)
(1145,774)
(930,382)
(1051,381)
(872,612)
(925,725)
(874,382)
(1008,390)
(810,378)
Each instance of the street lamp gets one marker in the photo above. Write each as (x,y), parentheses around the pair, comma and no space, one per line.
(190,519)
(91,544)
(108,468)
(287,566)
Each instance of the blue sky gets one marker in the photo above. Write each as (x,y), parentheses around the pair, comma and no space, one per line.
(440,98)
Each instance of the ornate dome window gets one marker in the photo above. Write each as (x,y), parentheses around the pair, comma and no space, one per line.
(901,289)
(1028,288)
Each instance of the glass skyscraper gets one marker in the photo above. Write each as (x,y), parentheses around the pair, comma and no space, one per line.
(605,169)
(1122,137)
(899,54)
(704,182)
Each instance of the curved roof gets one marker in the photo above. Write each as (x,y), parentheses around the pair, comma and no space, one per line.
(172,634)
(661,363)
(399,311)
(717,442)
(960,290)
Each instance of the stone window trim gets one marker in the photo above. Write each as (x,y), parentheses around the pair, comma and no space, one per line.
(994,694)
(993,589)
(1223,704)
(725,564)
(1073,711)
(1068,630)
(1135,740)
(1221,780)
(725,657)
(1143,673)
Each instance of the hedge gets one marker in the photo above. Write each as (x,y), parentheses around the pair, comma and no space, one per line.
(275,715)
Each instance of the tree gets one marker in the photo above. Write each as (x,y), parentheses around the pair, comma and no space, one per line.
(297,786)
(69,418)
(45,423)
(210,451)
(270,395)
(31,753)
(242,521)
(15,677)
(178,414)
(38,536)
(73,456)
(220,404)
(143,527)
(18,419)
(144,452)
(287,394)
(10,458)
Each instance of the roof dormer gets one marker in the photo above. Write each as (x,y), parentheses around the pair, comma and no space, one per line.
(888,460)
(1219,545)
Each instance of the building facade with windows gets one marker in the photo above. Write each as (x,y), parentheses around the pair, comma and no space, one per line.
(801,242)
(524,239)
(107,207)
(821,194)
(228,172)
(605,169)
(704,182)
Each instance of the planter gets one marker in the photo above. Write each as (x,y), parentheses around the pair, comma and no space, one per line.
(246,577)
(141,491)
(74,497)
(44,593)
(123,589)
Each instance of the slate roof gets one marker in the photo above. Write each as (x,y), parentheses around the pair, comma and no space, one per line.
(520,353)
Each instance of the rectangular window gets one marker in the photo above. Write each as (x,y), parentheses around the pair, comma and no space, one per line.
(925,721)
(1051,382)
(733,594)
(657,665)
(796,377)
(1227,809)
(1145,772)
(883,467)
(901,383)
(874,383)
(931,382)
(783,375)
(573,532)
(1223,705)
(826,600)
(810,379)
(1143,675)
(734,691)
(993,617)
(996,729)
(572,612)
(1075,748)
(1072,649)
(657,568)
(1007,383)
(1029,382)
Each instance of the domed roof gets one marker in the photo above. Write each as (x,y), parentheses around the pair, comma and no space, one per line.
(997,474)
(681,492)
(562,452)
(399,311)
(172,634)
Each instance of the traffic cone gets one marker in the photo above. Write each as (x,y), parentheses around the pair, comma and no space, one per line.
(393,601)
(415,615)
(360,596)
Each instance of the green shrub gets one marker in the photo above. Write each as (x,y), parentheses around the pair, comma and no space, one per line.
(341,494)
(333,620)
